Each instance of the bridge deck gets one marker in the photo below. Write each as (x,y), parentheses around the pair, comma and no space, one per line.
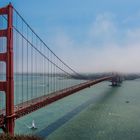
(34,104)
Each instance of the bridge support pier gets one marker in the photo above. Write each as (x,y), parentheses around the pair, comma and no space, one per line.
(116,80)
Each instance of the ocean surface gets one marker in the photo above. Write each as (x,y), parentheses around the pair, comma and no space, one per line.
(100,112)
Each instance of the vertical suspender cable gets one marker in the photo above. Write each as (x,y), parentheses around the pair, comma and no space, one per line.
(22,62)
(48,75)
(32,67)
(36,68)
(51,73)
(27,68)
(44,76)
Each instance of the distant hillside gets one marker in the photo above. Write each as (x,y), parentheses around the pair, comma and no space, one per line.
(99,75)
(131,76)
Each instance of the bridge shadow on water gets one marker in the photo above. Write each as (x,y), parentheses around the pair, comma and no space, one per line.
(61,121)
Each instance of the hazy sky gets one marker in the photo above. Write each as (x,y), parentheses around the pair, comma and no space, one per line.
(89,35)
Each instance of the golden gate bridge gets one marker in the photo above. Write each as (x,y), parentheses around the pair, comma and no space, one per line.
(31,74)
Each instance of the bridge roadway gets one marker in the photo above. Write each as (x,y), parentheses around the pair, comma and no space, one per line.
(37,103)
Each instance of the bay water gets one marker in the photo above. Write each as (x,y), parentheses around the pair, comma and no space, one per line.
(100,112)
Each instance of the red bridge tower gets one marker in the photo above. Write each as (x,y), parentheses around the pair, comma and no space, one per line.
(7,57)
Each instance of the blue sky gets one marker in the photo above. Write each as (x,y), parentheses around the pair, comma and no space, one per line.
(90,35)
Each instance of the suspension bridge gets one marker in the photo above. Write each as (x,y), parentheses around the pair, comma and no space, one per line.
(31,74)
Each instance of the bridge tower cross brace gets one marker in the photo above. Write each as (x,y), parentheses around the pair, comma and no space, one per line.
(7,57)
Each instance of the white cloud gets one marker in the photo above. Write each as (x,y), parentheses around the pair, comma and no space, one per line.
(101,51)
(102,30)
(132,18)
